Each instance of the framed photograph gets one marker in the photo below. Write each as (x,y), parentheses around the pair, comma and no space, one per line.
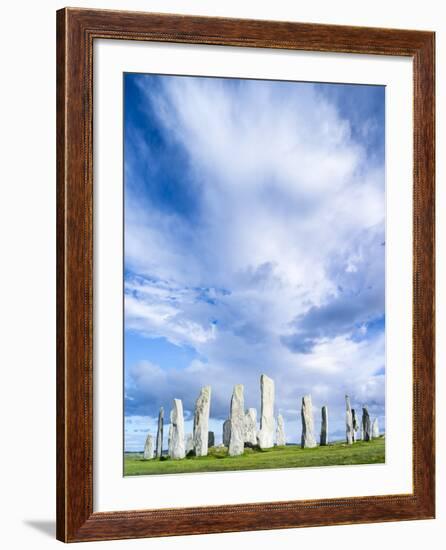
(245,275)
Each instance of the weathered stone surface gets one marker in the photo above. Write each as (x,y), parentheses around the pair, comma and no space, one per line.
(348,421)
(237,437)
(211,439)
(375,428)
(201,421)
(324,425)
(366,425)
(169,436)
(149,448)
(189,443)
(159,434)
(258,437)
(266,433)
(176,447)
(308,440)
(280,431)
(250,428)
(226,432)
(355,424)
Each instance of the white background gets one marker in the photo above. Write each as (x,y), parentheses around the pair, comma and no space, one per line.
(27,215)
(112,491)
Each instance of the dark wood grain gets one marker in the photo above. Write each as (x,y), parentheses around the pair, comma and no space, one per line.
(76,31)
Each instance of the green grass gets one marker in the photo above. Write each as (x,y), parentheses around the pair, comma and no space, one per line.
(291,456)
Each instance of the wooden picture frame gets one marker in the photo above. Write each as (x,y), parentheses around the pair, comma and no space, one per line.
(76,31)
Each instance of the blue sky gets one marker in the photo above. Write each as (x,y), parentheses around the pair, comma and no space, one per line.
(254,243)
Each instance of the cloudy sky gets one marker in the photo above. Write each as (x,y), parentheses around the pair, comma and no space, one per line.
(254,243)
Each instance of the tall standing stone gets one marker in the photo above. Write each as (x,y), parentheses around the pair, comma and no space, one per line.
(177,450)
(149,448)
(169,437)
(237,437)
(266,433)
(375,428)
(159,434)
(280,431)
(250,428)
(355,424)
(348,421)
(189,444)
(201,421)
(366,426)
(211,439)
(226,432)
(308,440)
(324,426)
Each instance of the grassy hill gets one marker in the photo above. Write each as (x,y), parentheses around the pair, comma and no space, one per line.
(290,456)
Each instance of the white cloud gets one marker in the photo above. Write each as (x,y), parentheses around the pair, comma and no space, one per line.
(289,224)
(156,310)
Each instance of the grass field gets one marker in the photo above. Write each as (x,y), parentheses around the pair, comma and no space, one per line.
(291,456)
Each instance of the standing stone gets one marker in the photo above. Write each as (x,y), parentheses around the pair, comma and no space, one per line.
(266,433)
(280,431)
(201,421)
(170,434)
(366,427)
(226,432)
(375,428)
(211,439)
(250,428)
(355,424)
(177,450)
(348,421)
(149,448)
(189,444)
(159,434)
(324,426)
(237,438)
(307,440)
